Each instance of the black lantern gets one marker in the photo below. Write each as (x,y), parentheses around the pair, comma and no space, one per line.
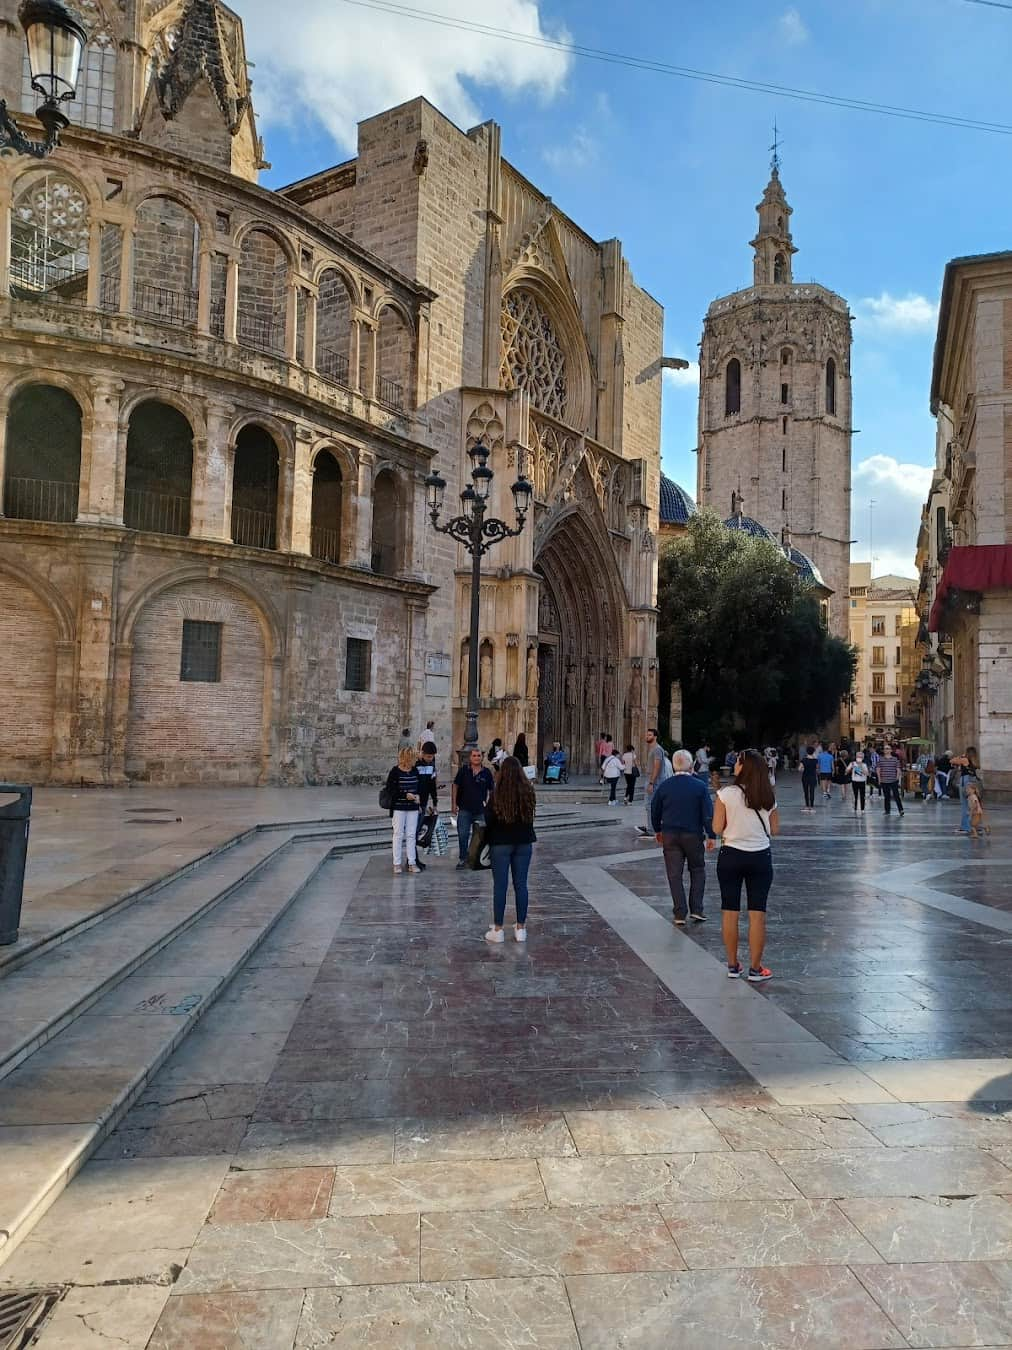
(435,489)
(523,491)
(56,43)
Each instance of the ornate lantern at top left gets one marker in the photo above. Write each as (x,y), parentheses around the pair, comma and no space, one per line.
(56,42)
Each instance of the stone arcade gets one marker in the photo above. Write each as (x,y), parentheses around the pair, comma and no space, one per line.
(218,404)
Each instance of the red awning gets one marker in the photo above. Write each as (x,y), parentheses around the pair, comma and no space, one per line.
(972,567)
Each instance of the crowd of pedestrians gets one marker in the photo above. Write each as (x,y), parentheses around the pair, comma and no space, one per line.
(689,812)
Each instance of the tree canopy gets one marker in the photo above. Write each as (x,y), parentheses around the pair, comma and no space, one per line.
(745,639)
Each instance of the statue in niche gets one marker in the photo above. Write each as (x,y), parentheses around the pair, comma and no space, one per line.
(485,675)
(463,667)
(653,684)
(590,687)
(636,687)
(533,674)
(609,688)
(572,694)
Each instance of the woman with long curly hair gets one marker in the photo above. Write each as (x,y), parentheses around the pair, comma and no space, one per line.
(745,817)
(509,832)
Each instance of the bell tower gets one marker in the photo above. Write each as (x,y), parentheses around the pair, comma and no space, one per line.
(775,403)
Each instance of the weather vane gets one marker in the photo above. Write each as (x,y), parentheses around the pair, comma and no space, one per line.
(775,149)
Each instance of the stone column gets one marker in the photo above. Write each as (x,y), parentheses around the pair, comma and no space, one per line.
(63,768)
(354,349)
(309,332)
(204,293)
(367,332)
(101,448)
(94,297)
(126,270)
(232,300)
(93,686)
(211,493)
(363,511)
(299,525)
(4,409)
(122,664)
(5,231)
(292,321)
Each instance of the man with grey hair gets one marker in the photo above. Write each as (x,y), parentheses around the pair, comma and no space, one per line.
(681,813)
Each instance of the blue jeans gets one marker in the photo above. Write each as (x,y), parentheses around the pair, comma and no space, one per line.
(465,819)
(506,858)
(964,801)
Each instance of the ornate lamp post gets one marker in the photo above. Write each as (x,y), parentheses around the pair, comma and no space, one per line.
(478,534)
(56,42)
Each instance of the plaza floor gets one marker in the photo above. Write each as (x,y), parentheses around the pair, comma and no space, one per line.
(390,1134)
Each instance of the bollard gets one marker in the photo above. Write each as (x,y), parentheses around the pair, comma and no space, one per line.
(14,821)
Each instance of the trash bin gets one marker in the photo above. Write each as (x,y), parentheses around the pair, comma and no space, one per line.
(14,817)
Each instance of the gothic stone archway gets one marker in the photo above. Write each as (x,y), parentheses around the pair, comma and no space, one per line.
(581,640)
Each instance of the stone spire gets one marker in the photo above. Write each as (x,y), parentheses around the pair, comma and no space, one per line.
(198,102)
(772,245)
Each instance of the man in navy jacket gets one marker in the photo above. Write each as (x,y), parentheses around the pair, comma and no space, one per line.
(681,813)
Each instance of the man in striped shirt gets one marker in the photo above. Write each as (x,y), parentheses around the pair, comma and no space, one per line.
(889,779)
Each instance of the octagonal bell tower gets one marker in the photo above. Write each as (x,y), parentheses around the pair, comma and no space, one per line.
(775,404)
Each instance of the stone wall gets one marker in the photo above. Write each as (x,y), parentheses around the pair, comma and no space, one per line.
(28,638)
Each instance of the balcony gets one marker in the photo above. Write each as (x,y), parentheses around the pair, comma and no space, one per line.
(254,529)
(264,335)
(332,365)
(388,391)
(177,308)
(40,499)
(156,512)
(325,544)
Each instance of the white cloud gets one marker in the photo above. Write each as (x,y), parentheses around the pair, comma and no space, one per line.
(898,491)
(340,63)
(579,152)
(684,379)
(897,314)
(792,28)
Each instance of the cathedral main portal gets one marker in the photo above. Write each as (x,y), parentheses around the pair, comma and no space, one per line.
(581,643)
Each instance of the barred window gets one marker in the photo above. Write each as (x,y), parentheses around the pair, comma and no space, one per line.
(358,664)
(200,660)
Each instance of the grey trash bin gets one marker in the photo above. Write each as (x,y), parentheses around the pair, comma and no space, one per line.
(14,819)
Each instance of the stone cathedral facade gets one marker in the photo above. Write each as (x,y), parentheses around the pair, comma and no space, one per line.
(775,406)
(218,404)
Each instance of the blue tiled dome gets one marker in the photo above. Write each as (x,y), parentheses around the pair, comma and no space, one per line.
(750,527)
(676,504)
(807,570)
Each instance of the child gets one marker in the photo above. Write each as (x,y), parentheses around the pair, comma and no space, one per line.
(978,817)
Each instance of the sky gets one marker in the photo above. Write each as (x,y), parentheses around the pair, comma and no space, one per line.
(674,167)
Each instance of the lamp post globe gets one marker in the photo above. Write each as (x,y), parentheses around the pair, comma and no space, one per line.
(56,42)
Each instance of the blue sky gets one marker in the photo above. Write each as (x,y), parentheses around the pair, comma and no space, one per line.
(674,167)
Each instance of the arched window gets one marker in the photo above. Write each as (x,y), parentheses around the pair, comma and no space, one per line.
(49,238)
(393,358)
(263,293)
(166,262)
(779,269)
(159,470)
(325,525)
(94,104)
(831,386)
(255,489)
(333,328)
(533,358)
(43,464)
(732,387)
(385,524)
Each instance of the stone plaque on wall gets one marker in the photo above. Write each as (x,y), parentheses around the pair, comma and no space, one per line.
(437,686)
(438,663)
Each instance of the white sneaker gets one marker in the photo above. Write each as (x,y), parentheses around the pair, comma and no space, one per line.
(495,935)
(397,870)
(520,933)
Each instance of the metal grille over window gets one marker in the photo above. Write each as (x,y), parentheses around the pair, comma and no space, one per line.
(533,359)
(201,655)
(358,661)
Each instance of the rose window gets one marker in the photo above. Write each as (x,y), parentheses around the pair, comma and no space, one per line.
(533,359)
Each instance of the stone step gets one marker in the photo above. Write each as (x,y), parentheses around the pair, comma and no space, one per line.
(59,1104)
(39,999)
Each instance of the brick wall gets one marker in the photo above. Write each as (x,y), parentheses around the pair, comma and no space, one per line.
(165,250)
(188,731)
(27,678)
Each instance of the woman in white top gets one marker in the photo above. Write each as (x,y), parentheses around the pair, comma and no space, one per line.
(858,772)
(745,817)
(611,771)
(631,770)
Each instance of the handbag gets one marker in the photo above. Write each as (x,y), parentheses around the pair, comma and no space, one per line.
(423,835)
(386,797)
(478,853)
(440,845)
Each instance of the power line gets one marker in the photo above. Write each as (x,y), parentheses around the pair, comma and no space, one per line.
(991,4)
(687,72)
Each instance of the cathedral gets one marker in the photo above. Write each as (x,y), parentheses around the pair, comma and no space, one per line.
(775,411)
(218,407)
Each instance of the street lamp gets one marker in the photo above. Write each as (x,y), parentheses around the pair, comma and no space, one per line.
(55,44)
(478,534)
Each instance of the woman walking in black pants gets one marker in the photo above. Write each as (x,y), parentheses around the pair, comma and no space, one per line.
(809,777)
(745,817)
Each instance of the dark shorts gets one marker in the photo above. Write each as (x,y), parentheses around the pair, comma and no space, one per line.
(825,777)
(737,867)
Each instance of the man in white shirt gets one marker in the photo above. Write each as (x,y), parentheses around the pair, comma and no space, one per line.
(427,735)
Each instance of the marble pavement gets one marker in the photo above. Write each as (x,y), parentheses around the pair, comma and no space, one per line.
(390,1135)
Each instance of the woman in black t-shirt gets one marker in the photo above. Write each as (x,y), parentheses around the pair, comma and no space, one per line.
(509,832)
(403,785)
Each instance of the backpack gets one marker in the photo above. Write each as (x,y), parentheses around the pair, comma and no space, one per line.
(387,797)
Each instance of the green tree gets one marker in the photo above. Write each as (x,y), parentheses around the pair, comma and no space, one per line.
(744,638)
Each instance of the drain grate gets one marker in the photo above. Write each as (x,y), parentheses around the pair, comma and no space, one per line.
(22,1315)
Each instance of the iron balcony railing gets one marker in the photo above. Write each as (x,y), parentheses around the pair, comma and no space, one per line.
(390,392)
(156,512)
(178,308)
(40,499)
(254,529)
(108,293)
(332,365)
(263,334)
(325,544)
